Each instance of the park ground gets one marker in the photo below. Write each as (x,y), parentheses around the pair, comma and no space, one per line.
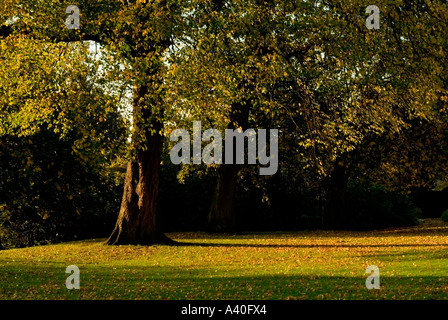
(413,264)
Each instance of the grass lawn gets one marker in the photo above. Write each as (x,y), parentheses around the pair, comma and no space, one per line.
(413,264)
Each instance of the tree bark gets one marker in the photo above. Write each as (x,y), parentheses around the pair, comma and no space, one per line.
(137,223)
(222,212)
(221,217)
(335,214)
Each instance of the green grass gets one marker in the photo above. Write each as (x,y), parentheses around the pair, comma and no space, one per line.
(413,264)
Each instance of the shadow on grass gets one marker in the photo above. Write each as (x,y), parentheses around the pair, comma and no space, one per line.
(257,245)
(440,229)
(191,284)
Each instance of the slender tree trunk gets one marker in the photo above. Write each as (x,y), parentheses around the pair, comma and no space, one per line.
(221,216)
(222,212)
(137,223)
(335,213)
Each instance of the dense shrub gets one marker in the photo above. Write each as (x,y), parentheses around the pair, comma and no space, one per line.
(183,206)
(275,203)
(260,204)
(373,207)
(49,194)
(432,202)
(445,216)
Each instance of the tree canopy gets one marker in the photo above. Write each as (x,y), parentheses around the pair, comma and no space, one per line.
(351,103)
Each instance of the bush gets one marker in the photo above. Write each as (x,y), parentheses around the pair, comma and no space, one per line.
(445,216)
(192,198)
(260,204)
(49,195)
(374,207)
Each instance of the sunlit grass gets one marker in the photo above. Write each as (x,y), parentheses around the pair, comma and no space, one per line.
(413,264)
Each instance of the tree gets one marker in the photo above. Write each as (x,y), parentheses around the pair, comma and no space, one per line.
(140,33)
(251,64)
(353,88)
(136,222)
(225,67)
(397,70)
(350,87)
(60,133)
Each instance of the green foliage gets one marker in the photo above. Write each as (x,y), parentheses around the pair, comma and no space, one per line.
(374,207)
(374,99)
(444,216)
(63,142)
(50,194)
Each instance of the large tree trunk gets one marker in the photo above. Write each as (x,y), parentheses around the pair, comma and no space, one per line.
(335,215)
(137,223)
(221,217)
